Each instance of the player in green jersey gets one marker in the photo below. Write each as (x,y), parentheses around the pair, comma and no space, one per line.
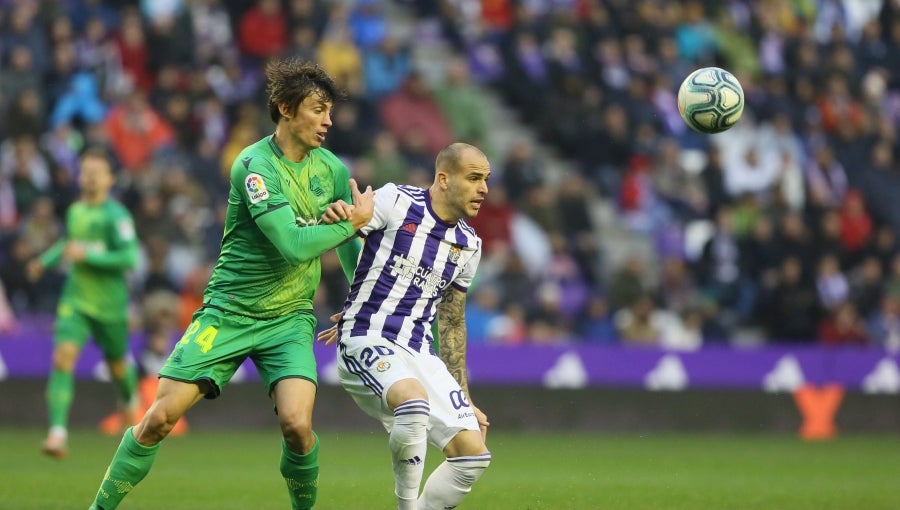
(258,303)
(100,246)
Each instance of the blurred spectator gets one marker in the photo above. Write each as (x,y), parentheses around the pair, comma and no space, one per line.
(40,227)
(627,283)
(338,55)
(25,116)
(134,54)
(136,132)
(867,286)
(843,326)
(27,169)
(826,178)
(159,321)
(24,31)
(367,24)
(7,317)
(414,109)
(831,284)
(494,220)
(303,43)
(463,106)
(79,101)
(171,35)
(482,314)
(521,172)
(23,296)
(265,17)
(20,73)
(385,67)
(791,313)
(640,323)
(884,326)
(387,163)
(347,137)
(856,224)
(596,323)
(212,29)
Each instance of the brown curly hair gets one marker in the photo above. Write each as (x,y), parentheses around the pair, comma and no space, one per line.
(291,80)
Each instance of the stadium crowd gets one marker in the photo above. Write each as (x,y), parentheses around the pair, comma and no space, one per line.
(795,207)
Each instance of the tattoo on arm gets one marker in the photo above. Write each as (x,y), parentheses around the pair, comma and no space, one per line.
(452,334)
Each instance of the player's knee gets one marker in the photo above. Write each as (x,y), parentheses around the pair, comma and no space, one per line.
(468,469)
(297,430)
(405,390)
(411,420)
(64,356)
(156,424)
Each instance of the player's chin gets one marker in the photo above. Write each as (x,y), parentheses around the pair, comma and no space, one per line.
(473,208)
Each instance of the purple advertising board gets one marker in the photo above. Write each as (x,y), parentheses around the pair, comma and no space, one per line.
(26,353)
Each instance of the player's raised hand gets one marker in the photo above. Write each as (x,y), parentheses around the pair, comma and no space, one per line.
(330,335)
(337,211)
(363,205)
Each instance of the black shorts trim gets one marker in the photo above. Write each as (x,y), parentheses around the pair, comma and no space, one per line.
(271,387)
(212,394)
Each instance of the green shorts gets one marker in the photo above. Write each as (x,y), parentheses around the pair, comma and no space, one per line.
(217,342)
(74,326)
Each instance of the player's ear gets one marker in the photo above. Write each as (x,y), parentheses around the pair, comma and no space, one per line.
(285,111)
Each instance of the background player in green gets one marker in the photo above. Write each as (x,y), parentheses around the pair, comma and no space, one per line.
(258,303)
(100,245)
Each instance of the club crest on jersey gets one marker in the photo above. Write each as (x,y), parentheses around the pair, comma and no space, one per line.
(453,256)
(382,366)
(315,186)
(256,188)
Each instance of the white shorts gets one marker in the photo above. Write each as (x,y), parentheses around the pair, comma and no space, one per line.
(369,366)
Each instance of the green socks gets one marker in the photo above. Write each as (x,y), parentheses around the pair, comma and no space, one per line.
(301,473)
(129,466)
(127,386)
(60,389)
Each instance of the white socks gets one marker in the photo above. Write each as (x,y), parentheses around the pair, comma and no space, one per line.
(408,442)
(452,480)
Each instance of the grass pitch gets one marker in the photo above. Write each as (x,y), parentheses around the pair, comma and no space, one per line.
(225,470)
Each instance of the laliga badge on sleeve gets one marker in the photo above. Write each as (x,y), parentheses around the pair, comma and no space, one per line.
(256,188)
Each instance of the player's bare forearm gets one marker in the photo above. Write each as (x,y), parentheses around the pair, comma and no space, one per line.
(452,334)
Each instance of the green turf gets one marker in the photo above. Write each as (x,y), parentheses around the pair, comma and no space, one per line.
(239,470)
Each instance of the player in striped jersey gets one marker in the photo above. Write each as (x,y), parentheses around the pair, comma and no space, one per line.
(258,303)
(417,261)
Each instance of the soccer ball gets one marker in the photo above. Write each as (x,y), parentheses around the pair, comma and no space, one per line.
(710,100)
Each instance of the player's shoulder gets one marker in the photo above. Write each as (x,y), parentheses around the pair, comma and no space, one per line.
(116,207)
(469,234)
(254,158)
(411,193)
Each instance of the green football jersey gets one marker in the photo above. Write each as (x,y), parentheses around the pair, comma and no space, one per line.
(251,277)
(96,286)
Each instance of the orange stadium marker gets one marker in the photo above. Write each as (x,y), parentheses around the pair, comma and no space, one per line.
(818,407)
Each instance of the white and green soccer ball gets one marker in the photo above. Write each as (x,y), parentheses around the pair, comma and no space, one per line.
(710,100)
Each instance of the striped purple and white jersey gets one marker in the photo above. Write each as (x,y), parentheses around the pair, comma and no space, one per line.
(409,257)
